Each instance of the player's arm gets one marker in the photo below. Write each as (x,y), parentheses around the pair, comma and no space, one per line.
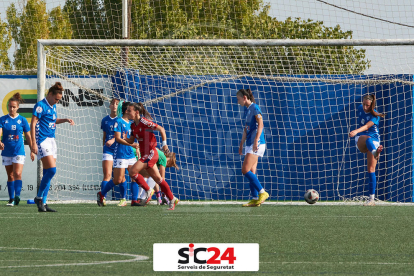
(33,133)
(61,121)
(259,120)
(1,143)
(125,141)
(242,141)
(164,138)
(103,138)
(361,129)
(29,141)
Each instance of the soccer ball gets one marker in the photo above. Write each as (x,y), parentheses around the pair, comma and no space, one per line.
(311,196)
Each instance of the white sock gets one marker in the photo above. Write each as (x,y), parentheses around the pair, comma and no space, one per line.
(372,197)
(261,191)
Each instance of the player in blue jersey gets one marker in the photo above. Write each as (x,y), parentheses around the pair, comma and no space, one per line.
(107,126)
(124,158)
(253,135)
(367,139)
(12,126)
(43,127)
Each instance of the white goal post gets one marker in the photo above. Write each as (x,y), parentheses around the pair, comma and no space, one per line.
(308,90)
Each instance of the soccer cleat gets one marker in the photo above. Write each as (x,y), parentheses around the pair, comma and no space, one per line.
(252,203)
(138,202)
(122,203)
(164,200)
(173,203)
(10,203)
(159,201)
(49,209)
(378,151)
(100,199)
(150,193)
(369,202)
(16,200)
(39,203)
(263,197)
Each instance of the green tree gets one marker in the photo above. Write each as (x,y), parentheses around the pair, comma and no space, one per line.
(34,23)
(213,19)
(5,44)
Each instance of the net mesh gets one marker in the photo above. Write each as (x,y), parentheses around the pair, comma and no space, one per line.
(308,95)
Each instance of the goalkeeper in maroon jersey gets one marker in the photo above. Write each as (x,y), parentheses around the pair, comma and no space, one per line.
(142,130)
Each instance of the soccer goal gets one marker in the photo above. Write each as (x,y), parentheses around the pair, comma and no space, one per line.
(308,91)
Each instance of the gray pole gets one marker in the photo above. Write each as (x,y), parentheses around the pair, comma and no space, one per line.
(41,87)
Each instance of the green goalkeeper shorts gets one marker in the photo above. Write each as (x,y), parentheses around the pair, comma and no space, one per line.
(162,160)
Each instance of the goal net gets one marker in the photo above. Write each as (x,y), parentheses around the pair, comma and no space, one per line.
(308,92)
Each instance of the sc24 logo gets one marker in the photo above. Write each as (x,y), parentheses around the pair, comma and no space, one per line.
(228,255)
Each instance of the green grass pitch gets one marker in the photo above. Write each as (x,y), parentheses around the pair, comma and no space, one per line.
(294,240)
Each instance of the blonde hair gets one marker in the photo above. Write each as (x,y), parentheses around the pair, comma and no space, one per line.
(172,160)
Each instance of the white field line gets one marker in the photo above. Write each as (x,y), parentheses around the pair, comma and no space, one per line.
(136,258)
(217,202)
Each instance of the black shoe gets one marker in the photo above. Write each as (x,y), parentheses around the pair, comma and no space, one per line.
(11,202)
(138,202)
(39,203)
(16,200)
(164,201)
(48,209)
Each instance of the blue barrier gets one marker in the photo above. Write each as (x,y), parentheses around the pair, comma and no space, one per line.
(306,130)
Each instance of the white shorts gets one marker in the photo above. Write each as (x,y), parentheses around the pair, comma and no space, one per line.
(18,159)
(124,163)
(46,148)
(151,183)
(107,157)
(376,143)
(260,151)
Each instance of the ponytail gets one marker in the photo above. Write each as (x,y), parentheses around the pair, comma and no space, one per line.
(17,98)
(57,88)
(371,97)
(248,93)
(142,111)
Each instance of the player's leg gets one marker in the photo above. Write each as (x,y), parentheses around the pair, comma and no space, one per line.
(165,188)
(250,161)
(17,173)
(123,191)
(138,178)
(371,164)
(47,153)
(157,187)
(10,179)
(107,165)
(49,170)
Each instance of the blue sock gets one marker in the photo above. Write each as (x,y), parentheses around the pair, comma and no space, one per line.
(134,190)
(370,144)
(45,183)
(46,192)
(107,187)
(18,187)
(103,183)
(123,189)
(10,188)
(372,183)
(255,194)
(254,181)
